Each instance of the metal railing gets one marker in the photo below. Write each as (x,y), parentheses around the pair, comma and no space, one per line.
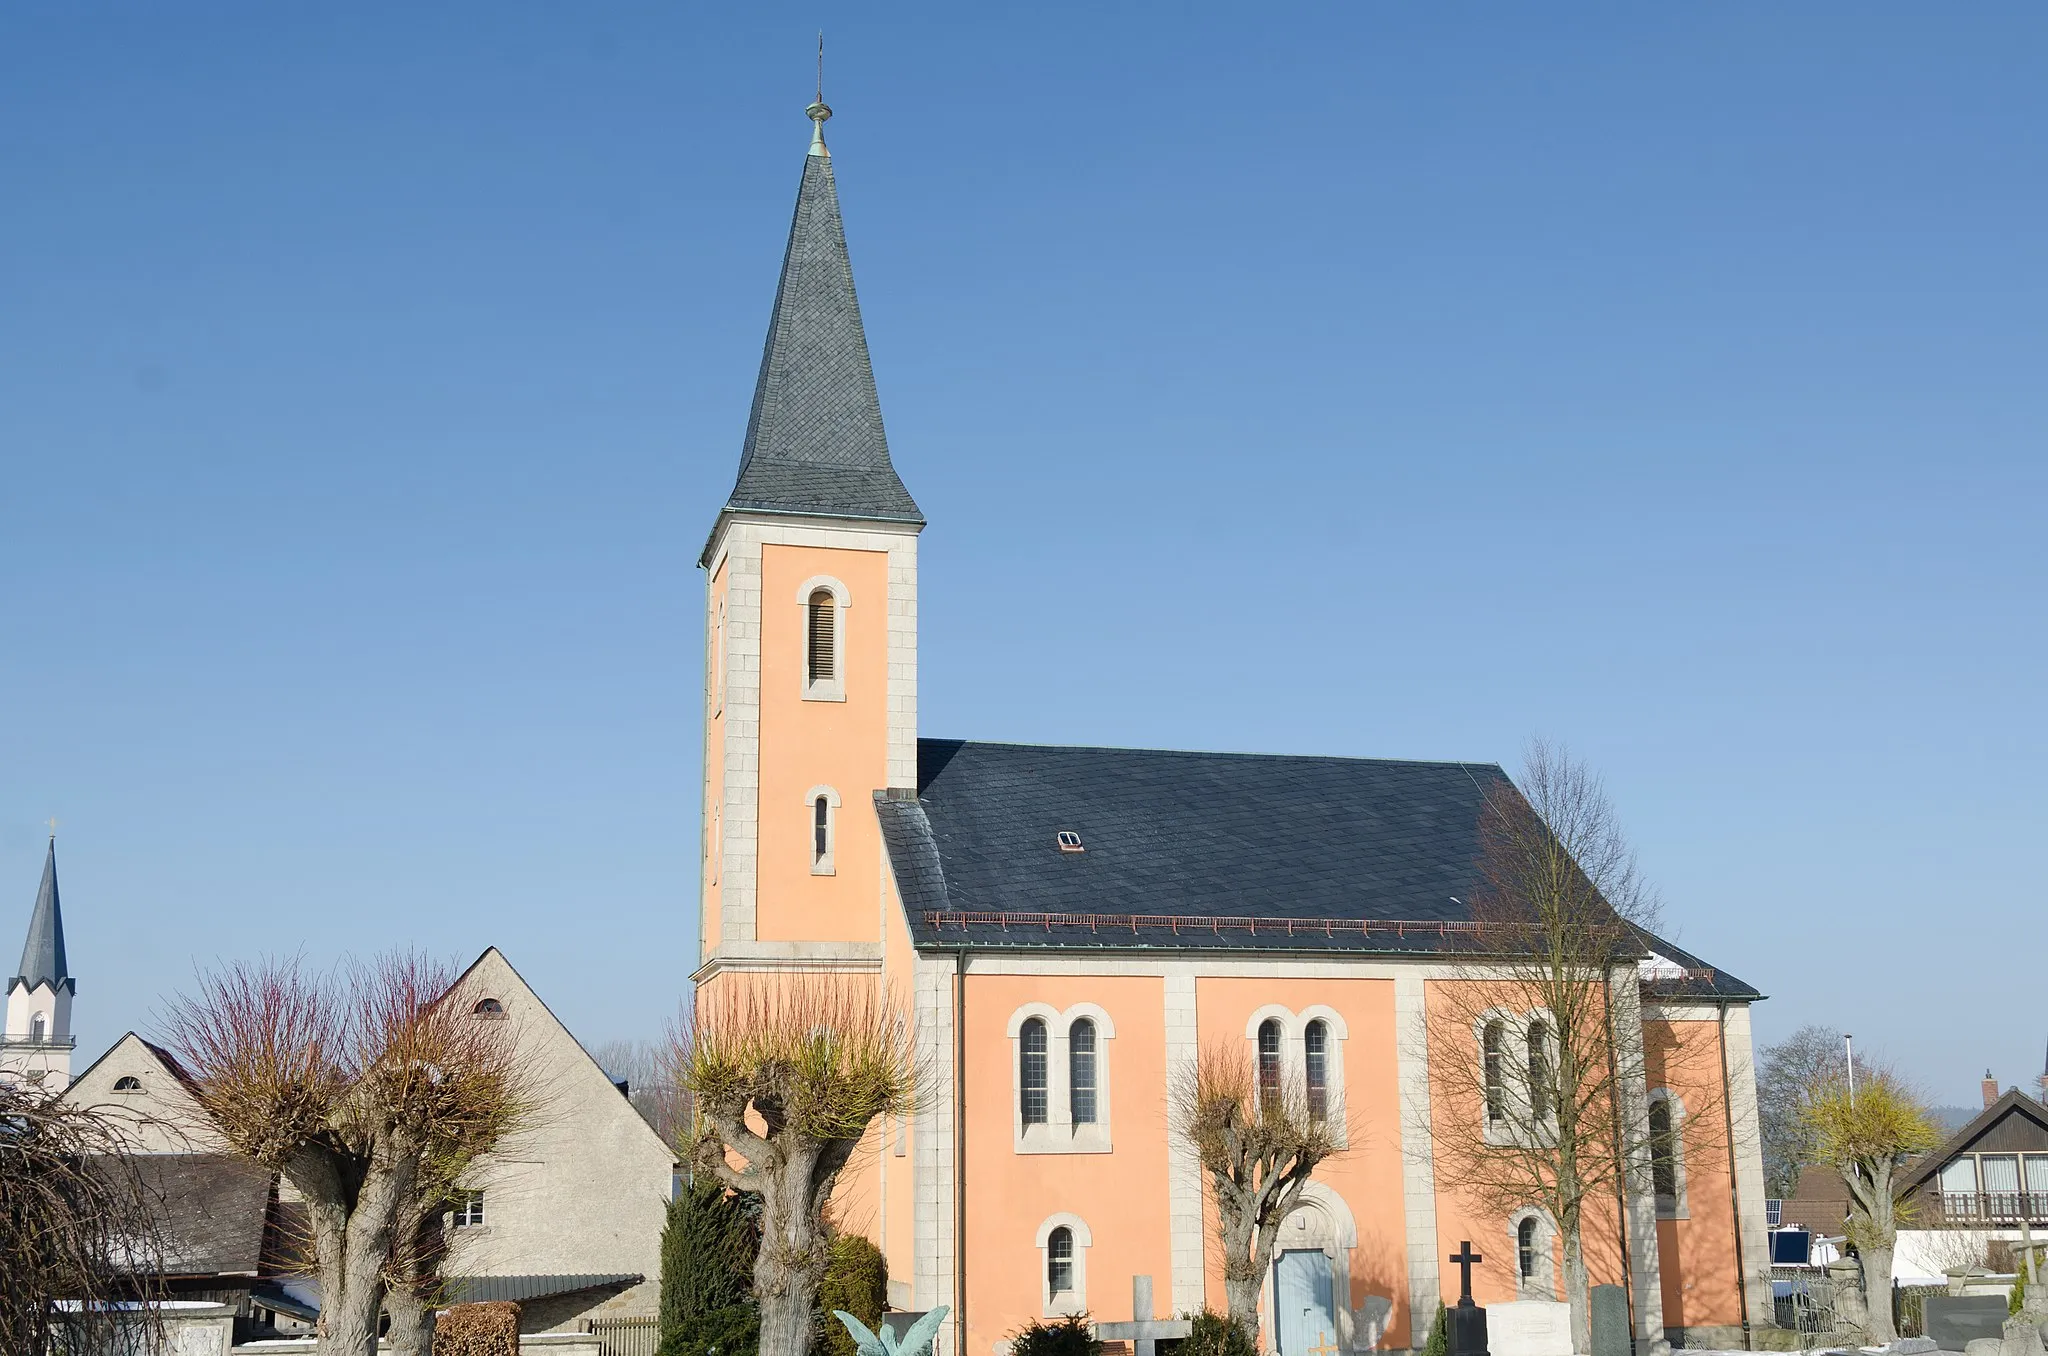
(38,1042)
(625,1336)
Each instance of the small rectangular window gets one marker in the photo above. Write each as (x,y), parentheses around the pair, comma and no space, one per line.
(470,1212)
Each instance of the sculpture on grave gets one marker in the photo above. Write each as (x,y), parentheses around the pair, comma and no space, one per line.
(916,1342)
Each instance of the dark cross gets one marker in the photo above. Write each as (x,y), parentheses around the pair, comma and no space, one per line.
(1465,1258)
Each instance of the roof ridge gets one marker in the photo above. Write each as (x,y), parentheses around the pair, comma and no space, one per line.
(1214,753)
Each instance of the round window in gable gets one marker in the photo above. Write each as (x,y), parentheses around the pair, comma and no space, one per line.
(489,1007)
(127,1083)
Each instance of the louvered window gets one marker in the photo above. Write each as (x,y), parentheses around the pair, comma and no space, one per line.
(1269,1062)
(1315,1058)
(1081,1071)
(1031,1074)
(823,638)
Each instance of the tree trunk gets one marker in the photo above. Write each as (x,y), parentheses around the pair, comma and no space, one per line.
(1876,1263)
(352,1238)
(791,1262)
(1575,1289)
(412,1323)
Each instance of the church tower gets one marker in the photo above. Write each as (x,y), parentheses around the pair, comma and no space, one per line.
(38,1042)
(810,630)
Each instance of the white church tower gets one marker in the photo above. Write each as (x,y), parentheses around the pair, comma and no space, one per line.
(37,1045)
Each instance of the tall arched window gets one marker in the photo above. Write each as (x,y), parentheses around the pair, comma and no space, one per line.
(36,1027)
(1315,1062)
(1031,1076)
(1496,1092)
(822,638)
(1059,1262)
(1081,1071)
(821,830)
(1269,1060)
(1539,1071)
(1663,1153)
(1525,1249)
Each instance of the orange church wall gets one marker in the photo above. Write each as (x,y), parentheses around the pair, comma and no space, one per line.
(895,1231)
(1367,1175)
(1455,1115)
(843,745)
(1697,1252)
(1121,1195)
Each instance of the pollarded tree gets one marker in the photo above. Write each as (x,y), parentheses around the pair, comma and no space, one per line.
(1537,1058)
(79,1229)
(349,1084)
(1260,1143)
(1867,1133)
(812,1062)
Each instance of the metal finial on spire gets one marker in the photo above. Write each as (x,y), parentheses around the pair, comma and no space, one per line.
(819,110)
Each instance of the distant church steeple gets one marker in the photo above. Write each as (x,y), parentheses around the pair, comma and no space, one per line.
(38,1041)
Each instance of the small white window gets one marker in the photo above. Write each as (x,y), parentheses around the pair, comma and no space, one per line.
(1069,841)
(821,827)
(1535,1269)
(128,1083)
(37,1028)
(1059,1263)
(1063,1243)
(1525,1250)
(489,1008)
(470,1213)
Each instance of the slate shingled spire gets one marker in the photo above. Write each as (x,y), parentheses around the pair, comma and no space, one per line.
(814,441)
(42,958)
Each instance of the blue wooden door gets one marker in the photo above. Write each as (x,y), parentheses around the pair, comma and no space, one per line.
(1302,1307)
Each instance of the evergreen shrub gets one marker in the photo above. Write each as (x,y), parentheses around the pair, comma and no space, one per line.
(1439,1343)
(1212,1334)
(856,1280)
(707,1273)
(1070,1336)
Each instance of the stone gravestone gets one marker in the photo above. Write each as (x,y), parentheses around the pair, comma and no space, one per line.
(1529,1328)
(1468,1320)
(1610,1321)
(1143,1332)
(1954,1320)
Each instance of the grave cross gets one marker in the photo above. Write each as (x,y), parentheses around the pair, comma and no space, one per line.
(1326,1346)
(1465,1258)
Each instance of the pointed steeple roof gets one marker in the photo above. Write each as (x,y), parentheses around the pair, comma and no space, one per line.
(814,440)
(42,958)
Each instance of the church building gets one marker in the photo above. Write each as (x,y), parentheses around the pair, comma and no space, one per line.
(1067,927)
(38,1041)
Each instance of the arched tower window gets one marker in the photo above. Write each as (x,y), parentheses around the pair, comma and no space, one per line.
(821,830)
(1539,1071)
(1525,1249)
(1269,1059)
(37,1027)
(1496,1091)
(1059,1262)
(821,638)
(1315,1061)
(821,816)
(1031,1075)
(1081,1071)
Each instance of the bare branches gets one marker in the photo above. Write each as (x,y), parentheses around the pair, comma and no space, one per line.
(78,1226)
(1260,1144)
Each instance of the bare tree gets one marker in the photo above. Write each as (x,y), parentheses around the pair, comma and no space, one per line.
(643,1067)
(350,1084)
(1539,1055)
(788,1072)
(80,1239)
(1786,1073)
(1867,1132)
(1258,1138)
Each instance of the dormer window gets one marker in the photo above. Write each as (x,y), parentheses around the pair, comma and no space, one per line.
(1069,841)
(489,1008)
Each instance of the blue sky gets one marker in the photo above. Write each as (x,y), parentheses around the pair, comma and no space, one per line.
(1400,381)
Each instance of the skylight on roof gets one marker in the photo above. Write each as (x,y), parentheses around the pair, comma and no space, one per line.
(1069,841)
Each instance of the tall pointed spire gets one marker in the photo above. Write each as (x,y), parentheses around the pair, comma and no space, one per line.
(42,958)
(815,444)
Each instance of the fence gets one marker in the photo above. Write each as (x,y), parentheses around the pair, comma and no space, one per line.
(625,1336)
(1804,1299)
(1909,1307)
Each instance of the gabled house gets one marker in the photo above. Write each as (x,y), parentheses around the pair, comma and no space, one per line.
(1990,1174)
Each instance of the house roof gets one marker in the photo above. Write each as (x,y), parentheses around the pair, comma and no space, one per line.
(478,1289)
(42,955)
(815,444)
(2013,1103)
(212,1209)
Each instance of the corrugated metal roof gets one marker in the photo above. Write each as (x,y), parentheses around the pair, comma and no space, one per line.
(478,1289)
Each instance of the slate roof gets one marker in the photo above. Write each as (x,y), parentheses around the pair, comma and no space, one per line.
(42,956)
(213,1211)
(814,440)
(1171,834)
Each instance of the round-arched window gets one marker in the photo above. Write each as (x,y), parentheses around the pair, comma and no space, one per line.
(488,1007)
(127,1083)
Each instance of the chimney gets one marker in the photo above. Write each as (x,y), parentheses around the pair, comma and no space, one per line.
(1990,1088)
